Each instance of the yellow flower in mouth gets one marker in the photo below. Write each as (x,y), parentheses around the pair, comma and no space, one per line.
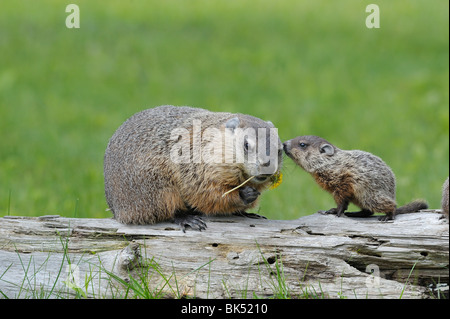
(276,180)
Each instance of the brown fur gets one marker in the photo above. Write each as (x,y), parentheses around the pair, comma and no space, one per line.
(353,176)
(144,186)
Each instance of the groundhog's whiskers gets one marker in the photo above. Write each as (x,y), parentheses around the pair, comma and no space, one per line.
(245,182)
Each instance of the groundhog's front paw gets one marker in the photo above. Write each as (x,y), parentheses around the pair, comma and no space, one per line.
(248,194)
(194,221)
(331,211)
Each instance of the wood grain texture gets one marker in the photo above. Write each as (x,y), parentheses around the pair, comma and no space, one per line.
(235,257)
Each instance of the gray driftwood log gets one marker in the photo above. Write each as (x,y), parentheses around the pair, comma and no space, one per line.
(318,256)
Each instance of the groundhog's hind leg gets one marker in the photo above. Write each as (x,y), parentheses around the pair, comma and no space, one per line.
(388,207)
(338,211)
(388,216)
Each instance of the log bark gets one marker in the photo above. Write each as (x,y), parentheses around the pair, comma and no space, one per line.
(317,256)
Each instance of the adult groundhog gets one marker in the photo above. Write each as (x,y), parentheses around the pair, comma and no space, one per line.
(176,163)
(444,201)
(350,176)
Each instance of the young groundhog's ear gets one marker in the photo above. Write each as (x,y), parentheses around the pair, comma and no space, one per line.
(232,123)
(327,149)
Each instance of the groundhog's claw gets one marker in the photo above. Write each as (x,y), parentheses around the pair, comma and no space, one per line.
(387,217)
(194,221)
(249,215)
(331,211)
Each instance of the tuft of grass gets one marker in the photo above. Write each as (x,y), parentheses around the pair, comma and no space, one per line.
(150,281)
(407,280)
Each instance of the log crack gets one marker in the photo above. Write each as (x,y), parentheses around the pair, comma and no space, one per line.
(235,257)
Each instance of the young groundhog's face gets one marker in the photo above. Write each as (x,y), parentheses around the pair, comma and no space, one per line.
(309,152)
(258,148)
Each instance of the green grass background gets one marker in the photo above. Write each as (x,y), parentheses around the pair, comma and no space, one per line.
(311,67)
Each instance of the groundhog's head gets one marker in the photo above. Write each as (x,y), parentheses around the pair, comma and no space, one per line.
(255,147)
(309,152)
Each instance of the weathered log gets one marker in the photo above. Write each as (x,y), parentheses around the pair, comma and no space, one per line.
(317,256)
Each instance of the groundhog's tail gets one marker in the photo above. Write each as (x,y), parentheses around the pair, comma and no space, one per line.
(412,207)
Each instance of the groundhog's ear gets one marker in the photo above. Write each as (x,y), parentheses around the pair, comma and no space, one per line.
(232,123)
(327,149)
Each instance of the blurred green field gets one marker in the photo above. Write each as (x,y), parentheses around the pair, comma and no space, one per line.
(311,67)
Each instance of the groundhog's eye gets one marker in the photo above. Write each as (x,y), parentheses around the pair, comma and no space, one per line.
(246,145)
(302,145)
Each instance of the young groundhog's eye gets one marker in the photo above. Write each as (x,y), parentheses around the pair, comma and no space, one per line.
(302,145)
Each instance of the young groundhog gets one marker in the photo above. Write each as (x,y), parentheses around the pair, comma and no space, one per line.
(176,163)
(350,176)
(444,201)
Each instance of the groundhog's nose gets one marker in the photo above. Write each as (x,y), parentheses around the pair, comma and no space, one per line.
(287,146)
